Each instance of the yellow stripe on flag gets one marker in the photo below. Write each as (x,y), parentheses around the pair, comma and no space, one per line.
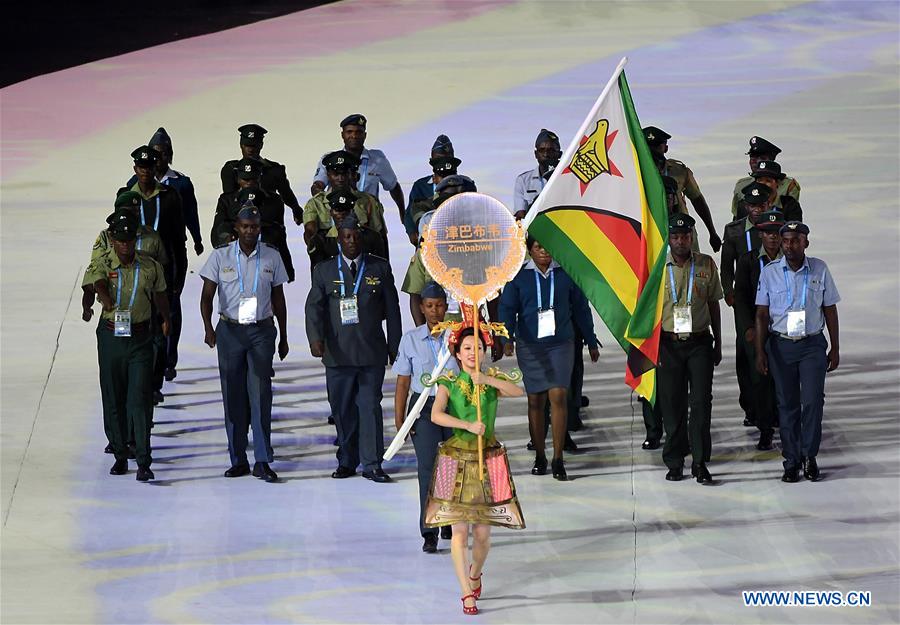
(601,252)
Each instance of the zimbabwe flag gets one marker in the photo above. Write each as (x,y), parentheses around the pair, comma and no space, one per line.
(602,216)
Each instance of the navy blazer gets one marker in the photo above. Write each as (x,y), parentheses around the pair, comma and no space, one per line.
(519,308)
(362,344)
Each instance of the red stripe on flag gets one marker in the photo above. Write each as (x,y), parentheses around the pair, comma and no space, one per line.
(621,233)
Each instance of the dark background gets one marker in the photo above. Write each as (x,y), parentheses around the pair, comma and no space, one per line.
(42,37)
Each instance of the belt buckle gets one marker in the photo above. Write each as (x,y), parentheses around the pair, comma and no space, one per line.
(683,337)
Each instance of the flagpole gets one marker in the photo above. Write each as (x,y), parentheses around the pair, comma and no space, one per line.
(574,145)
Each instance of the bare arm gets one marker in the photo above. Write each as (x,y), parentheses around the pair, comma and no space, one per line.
(161,300)
(279,309)
(401,394)
(87,302)
(702,208)
(762,331)
(715,319)
(206,309)
(831,322)
(397,196)
(440,416)
(504,387)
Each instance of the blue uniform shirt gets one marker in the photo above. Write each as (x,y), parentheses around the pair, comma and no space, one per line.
(519,306)
(221,268)
(529,185)
(418,354)
(778,288)
(374,170)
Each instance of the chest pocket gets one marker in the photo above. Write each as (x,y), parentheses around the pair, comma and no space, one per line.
(816,294)
(701,284)
(227,274)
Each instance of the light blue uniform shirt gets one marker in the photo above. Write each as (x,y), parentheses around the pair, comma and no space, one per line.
(418,354)
(374,170)
(778,289)
(529,185)
(221,268)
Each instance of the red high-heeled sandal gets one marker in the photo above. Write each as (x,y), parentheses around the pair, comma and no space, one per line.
(477,591)
(467,609)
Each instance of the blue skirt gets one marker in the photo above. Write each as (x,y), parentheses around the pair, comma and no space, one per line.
(546,365)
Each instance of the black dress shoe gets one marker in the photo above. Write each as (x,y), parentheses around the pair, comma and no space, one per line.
(377,475)
(446,532)
(559,469)
(170,374)
(650,443)
(540,466)
(130,452)
(791,475)
(675,475)
(330,419)
(585,401)
(343,472)
(264,472)
(108,449)
(765,441)
(811,469)
(144,474)
(158,398)
(119,467)
(238,470)
(749,423)
(569,445)
(700,472)
(430,544)
(529,446)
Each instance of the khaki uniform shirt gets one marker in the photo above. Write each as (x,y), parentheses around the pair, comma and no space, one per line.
(368,210)
(148,242)
(687,184)
(707,288)
(109,268)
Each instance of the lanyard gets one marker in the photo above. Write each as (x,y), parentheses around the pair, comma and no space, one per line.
(137,273)
(541,178)
(359,275)
(361,185)
(432,340)
(240,272)
(690,294)
(155,221)
(747,233)
(791,291)
(138,245)
(537,285)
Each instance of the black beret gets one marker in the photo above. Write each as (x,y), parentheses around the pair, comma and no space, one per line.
(756,193)
(128,199)
(758,145)
(252,134)
(249,168)
(794,226)
(444,165)
(340,159)
(443,145)
(655,136)
(250,195)
(341,200)
(771,220)
(681,222)
(546,135)
(160,137)
(769,169)
(125,215)
(145,156)
(357,119)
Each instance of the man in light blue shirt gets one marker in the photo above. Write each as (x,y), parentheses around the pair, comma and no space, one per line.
(248,276)
(795,301)
(529,184)
(419,353)
(374,168)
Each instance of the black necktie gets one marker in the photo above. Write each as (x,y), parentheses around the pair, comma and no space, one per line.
(353,269)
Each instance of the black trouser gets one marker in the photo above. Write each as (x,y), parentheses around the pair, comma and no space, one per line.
(174,277)
(426,436)
(125,368)
(764,404)
(744,376)
(652,418)
(684,379)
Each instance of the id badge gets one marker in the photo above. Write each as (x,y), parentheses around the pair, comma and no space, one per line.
(796,323)
(684,324)
(122,323)
(546,323)
(349,311)
(247,310)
